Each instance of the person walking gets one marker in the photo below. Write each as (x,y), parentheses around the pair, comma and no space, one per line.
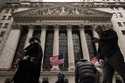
(109,53)
(85,72)
(45,80)
(29,68)
(61,78)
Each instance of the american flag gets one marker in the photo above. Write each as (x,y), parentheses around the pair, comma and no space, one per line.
(56,61)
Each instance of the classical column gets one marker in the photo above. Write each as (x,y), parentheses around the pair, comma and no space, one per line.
(95,35)
(29,35)
(70,49)
(84,44)
(56,46)
(8,52)
(43,39)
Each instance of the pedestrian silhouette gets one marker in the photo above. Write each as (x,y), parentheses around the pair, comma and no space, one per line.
(109,53)
(29,68)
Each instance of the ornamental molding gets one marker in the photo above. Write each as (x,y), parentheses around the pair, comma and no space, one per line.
(60,11)
(80,4)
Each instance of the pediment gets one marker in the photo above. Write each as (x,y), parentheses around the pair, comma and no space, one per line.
(62,11)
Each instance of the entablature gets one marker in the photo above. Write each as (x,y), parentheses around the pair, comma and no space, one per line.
(80,4)
(64,22)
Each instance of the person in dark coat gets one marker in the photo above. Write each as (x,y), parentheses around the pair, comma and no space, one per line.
(61,78)
(110,53)
(45,80)
(29,68)
(85,72)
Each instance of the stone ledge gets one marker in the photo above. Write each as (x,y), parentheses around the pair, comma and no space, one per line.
(50,73)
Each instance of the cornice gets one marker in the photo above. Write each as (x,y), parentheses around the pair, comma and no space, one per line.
(80,4)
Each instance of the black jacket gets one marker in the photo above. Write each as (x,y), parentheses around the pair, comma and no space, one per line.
(108,44)
(34,50)
(29,71)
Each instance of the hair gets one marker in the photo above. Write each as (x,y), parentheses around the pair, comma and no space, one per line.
(104,27)
(34,38)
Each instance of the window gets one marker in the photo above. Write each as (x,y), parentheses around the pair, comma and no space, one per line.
(2,33)
(3,18)
(119,24)
(9,18)
(63,49)
(6,25)
(48,50)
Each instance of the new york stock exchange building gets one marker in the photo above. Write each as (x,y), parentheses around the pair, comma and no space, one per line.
(66,30)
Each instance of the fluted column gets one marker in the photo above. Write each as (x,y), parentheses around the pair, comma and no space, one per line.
(95,35)
(70,49)
(29,35)
(43,39)
(56,46)
(84,44)
(7,55)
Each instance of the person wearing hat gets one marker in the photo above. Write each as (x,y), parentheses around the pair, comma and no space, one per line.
(30,66)
(109,53)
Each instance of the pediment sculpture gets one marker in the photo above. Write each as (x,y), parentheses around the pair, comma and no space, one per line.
(60,11)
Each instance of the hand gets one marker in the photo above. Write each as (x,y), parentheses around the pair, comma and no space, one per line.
(25,57)
(101,61)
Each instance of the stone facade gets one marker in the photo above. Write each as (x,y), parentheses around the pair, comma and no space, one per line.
(71,23)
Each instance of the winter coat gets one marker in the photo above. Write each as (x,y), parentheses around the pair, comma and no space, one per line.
(108,44)
(84,70)
(29,69)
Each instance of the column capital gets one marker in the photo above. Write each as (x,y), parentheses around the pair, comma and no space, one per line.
(30,26)
(56,26)
(43,26)
(69,26)
(81,25)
